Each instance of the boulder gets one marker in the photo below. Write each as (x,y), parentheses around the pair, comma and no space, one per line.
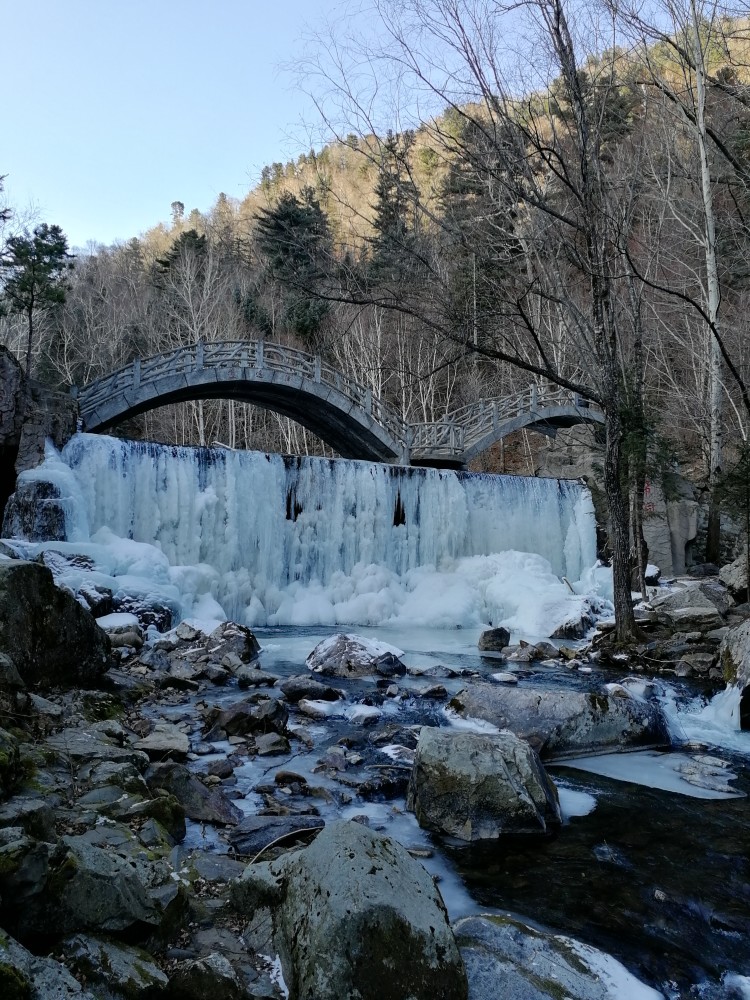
(303,686)
(45,631)
(89,745)
(507,958)
(493,640)
(734,577)
(121,969)
(558,722)
(355,915)
(689,596)
(10,679)
(258,714)
(200,803)
(701,618)
(344,655)
(24,976)
(36,512)
(33,815)
(76,887)
(229,637)
(734,655)
(211,976)
(164,742)
(476,786)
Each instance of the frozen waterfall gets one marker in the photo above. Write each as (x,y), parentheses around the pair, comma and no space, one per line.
(283,540)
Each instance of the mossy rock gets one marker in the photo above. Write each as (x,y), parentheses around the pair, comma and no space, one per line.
(14,985)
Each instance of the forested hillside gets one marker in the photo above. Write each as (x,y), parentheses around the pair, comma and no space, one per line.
(592,232)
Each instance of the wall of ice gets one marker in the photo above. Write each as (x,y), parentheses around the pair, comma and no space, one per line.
(308,540)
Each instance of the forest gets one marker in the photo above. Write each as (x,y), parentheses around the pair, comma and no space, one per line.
(568,203)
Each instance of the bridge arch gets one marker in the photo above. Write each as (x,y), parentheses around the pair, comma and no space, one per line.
(298,385)
(333,406)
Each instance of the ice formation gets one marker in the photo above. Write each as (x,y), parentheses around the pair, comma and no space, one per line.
(266,539)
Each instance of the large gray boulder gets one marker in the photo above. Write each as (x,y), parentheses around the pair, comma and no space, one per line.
(346,655)
(49,637)
(477,787)
(558,722)
(355,916)
(122,970)
(76,887)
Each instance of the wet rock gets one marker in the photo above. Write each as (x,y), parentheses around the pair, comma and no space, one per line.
(704,618)
(547,651)
(200,803)
(50,638)
(507,958)
(248,676)
(120,774)
(256,832)
(493,640)
(355,915)
(347,655)
(251,716)
(480,787)
(36,512)
(10,763)
(125,971)
(229,637)
(303,686)
(212,976)
(165,741)
(557,721)
(271,744)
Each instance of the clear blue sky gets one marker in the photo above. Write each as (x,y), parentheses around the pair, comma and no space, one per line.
(113,109)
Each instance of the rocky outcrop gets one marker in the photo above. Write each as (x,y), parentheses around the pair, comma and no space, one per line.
(557,722)
(24,976)
(480,787)
(122,970)
(734,577)
(355,915)
(49,637)
(36,512)
(344,655)
(734,655)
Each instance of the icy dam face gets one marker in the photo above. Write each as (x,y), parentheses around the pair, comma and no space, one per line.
(278,540)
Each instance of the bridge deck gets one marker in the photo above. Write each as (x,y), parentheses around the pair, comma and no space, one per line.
(338,409)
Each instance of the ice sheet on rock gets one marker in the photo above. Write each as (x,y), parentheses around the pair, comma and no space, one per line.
(617,981)
(471,725)
(716,722)
(116,620)
(672,772)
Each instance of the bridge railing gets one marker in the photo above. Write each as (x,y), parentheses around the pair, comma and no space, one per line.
(467,425)
(235,356)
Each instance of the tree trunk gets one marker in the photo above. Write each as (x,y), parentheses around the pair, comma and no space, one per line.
(618,528)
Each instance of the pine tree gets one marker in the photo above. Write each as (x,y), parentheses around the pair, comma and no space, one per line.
(34,269)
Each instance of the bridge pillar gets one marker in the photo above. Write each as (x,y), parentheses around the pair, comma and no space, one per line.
(368,401)
(259,362)
(137,373)
(316,369)
(199,355)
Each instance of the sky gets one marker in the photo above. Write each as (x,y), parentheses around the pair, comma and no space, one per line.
(113,109)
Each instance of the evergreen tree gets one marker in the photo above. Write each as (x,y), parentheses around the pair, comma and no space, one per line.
(294,239)
(393,247)
(34,269)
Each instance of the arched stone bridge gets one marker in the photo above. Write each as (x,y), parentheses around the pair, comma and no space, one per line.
(339,410)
